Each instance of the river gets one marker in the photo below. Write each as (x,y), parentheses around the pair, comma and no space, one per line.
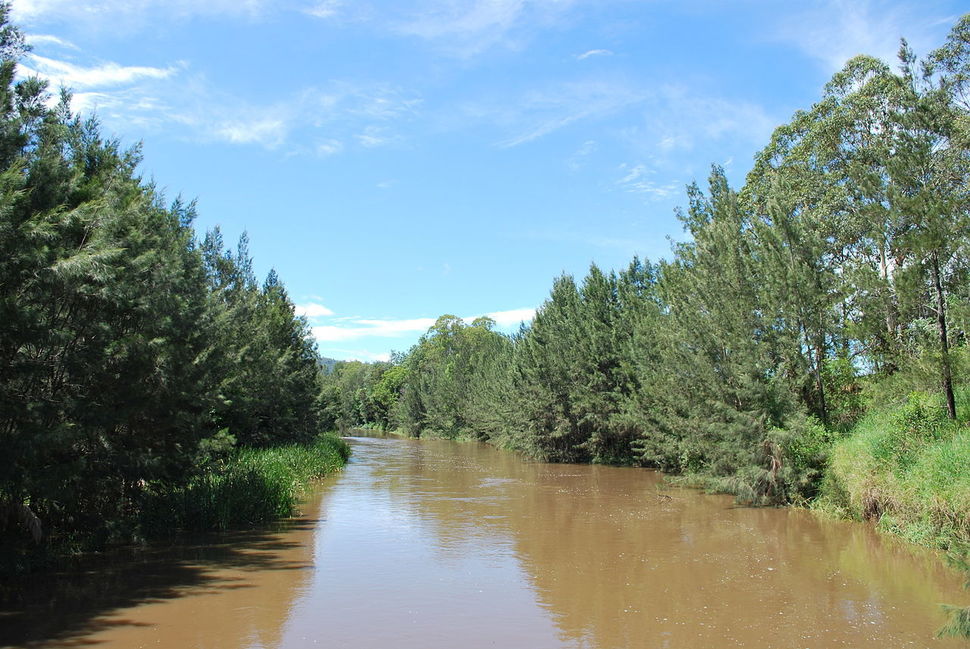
(434,544)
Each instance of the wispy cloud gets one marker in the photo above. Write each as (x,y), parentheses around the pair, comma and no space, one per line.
(49,39)
(325,8)
(587,54)
(329,147)
(637,180)
(647,244)
(327,115)
(373,137)
(576,160)
(836,30)
(673,117)
(548,110)
(63,73)
(268,131)
(676,118)
(115,14)
(174,99)
(137,107)
(469,27)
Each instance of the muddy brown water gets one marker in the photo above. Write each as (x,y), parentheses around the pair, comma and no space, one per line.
(430,544)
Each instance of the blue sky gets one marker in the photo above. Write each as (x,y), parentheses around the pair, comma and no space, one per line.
(398,160)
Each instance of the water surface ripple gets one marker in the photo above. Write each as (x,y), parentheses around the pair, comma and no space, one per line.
(432,544)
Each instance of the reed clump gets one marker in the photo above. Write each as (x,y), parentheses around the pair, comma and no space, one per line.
(252,487)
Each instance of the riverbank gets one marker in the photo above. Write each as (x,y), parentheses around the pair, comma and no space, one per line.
(906,468)
(253,487)
(903,467)
(245,488)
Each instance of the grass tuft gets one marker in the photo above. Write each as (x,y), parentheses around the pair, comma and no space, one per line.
(907,468)
(256,486)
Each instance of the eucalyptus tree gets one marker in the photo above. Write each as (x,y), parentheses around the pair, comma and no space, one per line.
(930,168)
(489,401)
(452,380)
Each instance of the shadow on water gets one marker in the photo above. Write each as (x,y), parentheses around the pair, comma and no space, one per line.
(70,606)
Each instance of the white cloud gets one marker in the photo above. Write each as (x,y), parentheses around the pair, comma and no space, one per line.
(329,147)
(362,355)
(325,8)
(373,137)
(330,333)
(469,27)
(396,327)
(549,110)
(115,14)
(268,131)
(312,310)
(676,118)
(637,181)
(836,30)
(363,328)
(576,160)
(512,317)
(62,73)
(49,39)
(357,328)
(145,98)
(586,55)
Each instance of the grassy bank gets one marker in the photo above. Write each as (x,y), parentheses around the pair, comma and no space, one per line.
(254,487)
(906,467)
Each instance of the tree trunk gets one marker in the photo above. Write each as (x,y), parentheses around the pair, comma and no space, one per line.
(820,383)
(945,371)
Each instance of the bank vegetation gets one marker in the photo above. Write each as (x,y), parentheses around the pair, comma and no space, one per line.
(805,343)
(146,376)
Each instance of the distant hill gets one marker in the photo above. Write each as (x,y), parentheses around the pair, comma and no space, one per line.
(327,364)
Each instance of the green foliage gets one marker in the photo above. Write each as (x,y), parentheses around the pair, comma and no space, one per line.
(450,379)
(906,466)
(834,281)
(255,486)
(958,624)
(131,354)
(360,395)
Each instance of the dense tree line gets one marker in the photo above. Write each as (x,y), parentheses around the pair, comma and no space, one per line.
(132,354)
(841,263)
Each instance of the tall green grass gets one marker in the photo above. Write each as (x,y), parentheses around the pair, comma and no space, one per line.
(906,467)
(254,487)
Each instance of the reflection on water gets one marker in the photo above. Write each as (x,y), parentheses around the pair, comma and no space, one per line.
(222,592)
(435,544)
